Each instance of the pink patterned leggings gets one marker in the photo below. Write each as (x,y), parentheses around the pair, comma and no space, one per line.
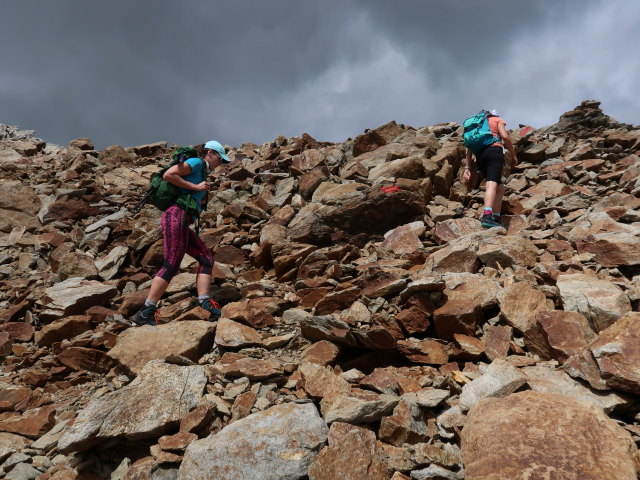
(178,240)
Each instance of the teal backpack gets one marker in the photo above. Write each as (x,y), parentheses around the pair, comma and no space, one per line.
(164,194)
(477,136)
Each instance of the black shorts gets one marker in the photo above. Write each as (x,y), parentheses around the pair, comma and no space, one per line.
(490,163)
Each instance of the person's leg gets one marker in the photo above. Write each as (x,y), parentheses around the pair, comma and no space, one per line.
(497,202)
(174,234)
(198,250)
(491,195)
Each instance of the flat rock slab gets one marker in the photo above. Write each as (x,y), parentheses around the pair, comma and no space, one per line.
(548,380)
(542,435)
(230,334)
(499,380)
(276,444)
(600,301)
(357,406)
(138,345)
(154,402)
(74,296)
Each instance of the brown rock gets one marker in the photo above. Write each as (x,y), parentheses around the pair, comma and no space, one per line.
(558,334)
(321,353)
(615,356)
(253,369)
(230,334)
(81,358)
(467,296)
(413,320)
(5,344)
(454,228)
(255,312)
(407,425)
(317,380)
(328,328)
(69,209)
(471,347)
(132,302)
(14,397)
(404,239)
(362,462)
(198,418)
(161,456)
(519,303)
(18,331)
(32,423)
(137,346)
(63,329)
(424,351)
(383,380)
(497,340)
(530,434)
(367,142)
(459,256)
(337,300)
(242,405)
(508,251)
(177,442)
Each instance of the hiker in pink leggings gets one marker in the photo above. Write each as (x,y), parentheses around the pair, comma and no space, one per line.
(178,240)
(190,178)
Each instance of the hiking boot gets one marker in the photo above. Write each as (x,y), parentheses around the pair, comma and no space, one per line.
(489,221)
(212,307)
(146,316)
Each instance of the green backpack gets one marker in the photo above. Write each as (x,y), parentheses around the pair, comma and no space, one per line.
(164,194)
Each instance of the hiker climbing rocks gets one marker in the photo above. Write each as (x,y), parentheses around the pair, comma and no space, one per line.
(190,178)
(484,137)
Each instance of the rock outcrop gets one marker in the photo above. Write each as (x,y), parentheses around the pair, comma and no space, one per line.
(371,328)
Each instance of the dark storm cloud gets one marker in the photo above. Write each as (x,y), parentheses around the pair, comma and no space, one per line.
(129,73)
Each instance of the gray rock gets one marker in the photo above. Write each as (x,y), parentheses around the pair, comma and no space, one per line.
(154,402)
(435,471)
(74,296)
(499,380)
(547,380)
(427,397)
(276,444)
(601,302)
(23,471)
(358,406)
(109,264)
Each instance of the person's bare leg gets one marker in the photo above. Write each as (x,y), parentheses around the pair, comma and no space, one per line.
(497,202)
(490,194)
(203,284)
(158,287)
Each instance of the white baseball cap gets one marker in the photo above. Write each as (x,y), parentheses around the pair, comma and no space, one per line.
(217,146)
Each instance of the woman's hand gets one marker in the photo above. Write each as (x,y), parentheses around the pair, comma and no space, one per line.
(466,175)
(202,186)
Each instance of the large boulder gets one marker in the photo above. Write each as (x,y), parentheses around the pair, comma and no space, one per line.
(74,296)
(137,346)
(601,302)
(153,403)
(276,444)
(543,435)
(613,359)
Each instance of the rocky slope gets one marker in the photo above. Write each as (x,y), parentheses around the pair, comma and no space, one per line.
(367,332)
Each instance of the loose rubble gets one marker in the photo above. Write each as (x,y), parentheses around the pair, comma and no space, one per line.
(367,332)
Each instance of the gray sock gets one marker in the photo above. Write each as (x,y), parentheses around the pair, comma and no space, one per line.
(150,303)
(202,298)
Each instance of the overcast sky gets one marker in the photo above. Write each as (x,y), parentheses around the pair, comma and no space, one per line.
(130,72)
